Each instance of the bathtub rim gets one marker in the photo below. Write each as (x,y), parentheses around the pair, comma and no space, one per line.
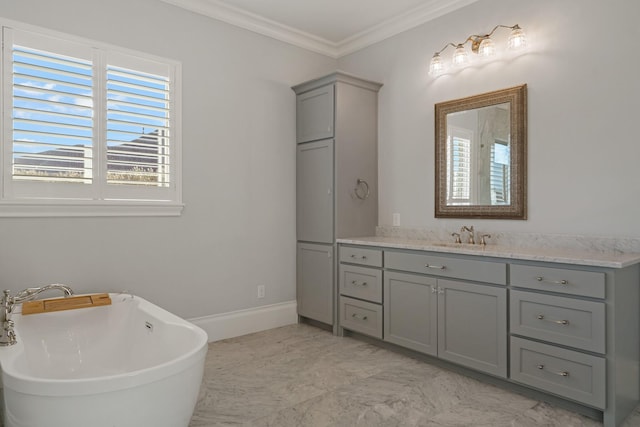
(28,384)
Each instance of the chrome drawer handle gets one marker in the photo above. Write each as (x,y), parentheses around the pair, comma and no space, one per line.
(355,282)
(553,282)
(354,257)
(435,267)
(561,373)
(559,322)
(359,317)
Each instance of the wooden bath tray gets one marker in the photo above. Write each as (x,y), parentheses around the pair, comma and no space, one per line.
(69,303)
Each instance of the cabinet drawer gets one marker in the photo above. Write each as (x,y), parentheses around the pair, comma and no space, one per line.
(567,373)
(361,282)
(566,321)
(481,271)
(358,255)
(574,282)
(361,316)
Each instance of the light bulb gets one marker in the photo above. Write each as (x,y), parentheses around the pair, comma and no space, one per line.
(436,67)
(487,48)
(517,39)
(460,56)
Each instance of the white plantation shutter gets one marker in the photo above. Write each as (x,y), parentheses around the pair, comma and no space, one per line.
(500,173)
(88,122)
(138,128)
(52,117)
(459,167)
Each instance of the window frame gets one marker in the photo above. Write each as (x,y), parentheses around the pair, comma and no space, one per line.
(100,199)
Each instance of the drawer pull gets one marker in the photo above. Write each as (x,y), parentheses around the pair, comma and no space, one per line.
(435,267)
(355,315)
(562,373)
(553,282)
(559,322)
(363,257)
(356,283)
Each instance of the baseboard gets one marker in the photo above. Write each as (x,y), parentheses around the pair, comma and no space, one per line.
(242,322)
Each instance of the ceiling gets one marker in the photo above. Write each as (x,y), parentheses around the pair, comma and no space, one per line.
(332,27)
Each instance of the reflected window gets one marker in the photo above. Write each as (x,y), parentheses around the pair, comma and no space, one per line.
(500,173)
(459,167)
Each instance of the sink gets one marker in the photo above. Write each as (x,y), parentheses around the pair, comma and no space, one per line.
(457,245)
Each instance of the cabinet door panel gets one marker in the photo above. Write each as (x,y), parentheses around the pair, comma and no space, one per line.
(314,190)
(472,326)
(315,282)
(315,114)
(410,311)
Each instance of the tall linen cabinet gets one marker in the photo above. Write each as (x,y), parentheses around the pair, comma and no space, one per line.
(336,182)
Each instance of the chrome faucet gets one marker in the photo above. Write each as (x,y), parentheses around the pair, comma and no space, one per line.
(7,304)
(472,239)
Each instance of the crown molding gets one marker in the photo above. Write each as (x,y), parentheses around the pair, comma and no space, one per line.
(258,24)
(424,13)
(241,18)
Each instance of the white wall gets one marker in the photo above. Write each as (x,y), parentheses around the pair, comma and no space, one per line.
(584,112)
(238,227)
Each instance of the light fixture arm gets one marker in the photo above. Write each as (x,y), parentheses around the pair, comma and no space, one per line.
(445,48)
(437,65)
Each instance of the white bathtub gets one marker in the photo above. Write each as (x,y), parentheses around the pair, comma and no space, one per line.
(130,364)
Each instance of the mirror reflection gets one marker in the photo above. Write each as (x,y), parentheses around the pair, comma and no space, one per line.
(478,159)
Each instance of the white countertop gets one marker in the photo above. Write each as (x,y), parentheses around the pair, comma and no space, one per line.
(546,254)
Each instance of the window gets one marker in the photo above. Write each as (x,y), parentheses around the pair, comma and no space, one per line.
(88,129)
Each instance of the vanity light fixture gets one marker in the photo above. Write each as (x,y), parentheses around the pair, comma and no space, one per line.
(482,45)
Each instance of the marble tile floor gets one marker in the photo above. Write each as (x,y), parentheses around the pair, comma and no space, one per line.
(299,375)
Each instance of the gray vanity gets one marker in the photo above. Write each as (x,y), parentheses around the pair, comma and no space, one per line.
(560,322)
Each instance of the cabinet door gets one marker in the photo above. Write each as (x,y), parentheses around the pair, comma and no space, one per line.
(472,326)
(314,114)
(314,190)
(410,311)
(314,287)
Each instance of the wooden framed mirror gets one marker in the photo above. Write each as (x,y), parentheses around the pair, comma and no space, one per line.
(481,156)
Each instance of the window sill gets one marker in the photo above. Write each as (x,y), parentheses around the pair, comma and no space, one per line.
(30,209)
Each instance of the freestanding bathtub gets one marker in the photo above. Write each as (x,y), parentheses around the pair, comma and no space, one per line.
(129,364)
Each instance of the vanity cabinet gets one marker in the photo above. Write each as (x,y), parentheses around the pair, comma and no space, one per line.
(336,179)
(576,320)
(571,331)
(463,322)
(472,326)
(411,311)
(360,285)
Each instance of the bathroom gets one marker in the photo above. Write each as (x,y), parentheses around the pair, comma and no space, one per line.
(237,229)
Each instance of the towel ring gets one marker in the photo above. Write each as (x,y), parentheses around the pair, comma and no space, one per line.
(361,184)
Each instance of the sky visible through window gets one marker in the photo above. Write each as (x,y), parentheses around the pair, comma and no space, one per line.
(54,115)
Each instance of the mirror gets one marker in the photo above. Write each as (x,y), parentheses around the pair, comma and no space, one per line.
(481,167)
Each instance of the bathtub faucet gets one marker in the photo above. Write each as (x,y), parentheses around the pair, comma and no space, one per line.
(7,304)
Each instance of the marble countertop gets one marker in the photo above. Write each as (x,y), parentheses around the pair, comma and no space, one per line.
(546,254)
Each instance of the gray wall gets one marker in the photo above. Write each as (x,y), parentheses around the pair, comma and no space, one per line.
(584,101)
(238,227)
